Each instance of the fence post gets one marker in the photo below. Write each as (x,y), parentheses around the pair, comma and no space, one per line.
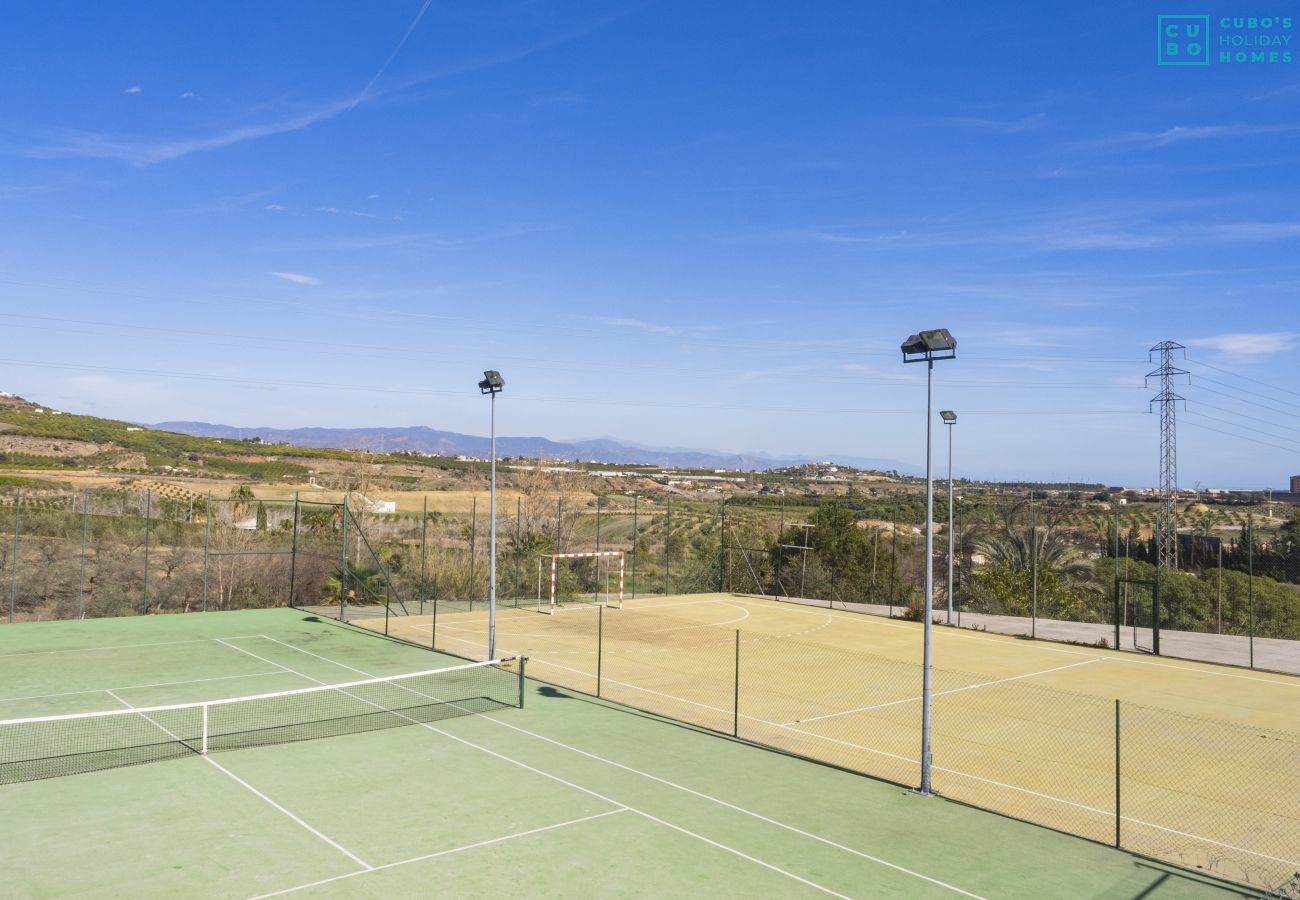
(343,571)
(596,597)
(13,583)
(1033,568)
(893,562)
(424,553)
(1250,581)
(293,554)
(207,541)
(1117,609)
(723,568)
(473,541)
(635,498)
(148,528)
(778,588)
(519,523)
(600,642)
(735,703)
(1117,774)
(433,627)
(668,531)
(85,533)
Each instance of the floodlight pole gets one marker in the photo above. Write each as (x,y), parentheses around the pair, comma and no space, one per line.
(951,542)
(492,384)
(926,694)
(492,542)
(922,347)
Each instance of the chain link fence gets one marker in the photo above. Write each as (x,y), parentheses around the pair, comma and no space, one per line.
(1203,794)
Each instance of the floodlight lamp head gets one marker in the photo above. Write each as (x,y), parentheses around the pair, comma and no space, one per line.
(923,346)
(949,417)
(492,382)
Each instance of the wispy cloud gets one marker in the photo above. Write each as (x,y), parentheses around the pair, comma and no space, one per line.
(332,210)
(999,126)
(72,143)
(637,324)
(81,144)
(365,92)
(189,95)
(430,239)
(1248,344)
(296,278)
(1179,134)
(275,207)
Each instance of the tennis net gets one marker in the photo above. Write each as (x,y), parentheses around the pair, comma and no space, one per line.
(50,746)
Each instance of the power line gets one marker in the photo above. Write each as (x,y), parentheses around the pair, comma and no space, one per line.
(1285,412)
(1241,437)
(1230,424)
(1246,378)
(532,327)
(322,385)
(372,351)
(1241,415)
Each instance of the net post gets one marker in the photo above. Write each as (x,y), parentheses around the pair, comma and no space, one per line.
(523,660)
(600,641)
(204,745)
(1117,806)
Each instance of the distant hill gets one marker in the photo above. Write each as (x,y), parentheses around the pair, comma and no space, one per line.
(422,439)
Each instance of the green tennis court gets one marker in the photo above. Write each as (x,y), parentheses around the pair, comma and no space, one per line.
(562,795)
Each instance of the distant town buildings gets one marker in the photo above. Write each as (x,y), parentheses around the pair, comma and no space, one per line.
(1295,484)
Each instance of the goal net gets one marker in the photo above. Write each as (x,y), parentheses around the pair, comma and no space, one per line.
(601,583)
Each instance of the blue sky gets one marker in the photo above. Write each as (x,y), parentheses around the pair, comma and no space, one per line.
(675,223)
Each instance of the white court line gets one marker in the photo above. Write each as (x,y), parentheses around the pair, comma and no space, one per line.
(740,809)
(324,837)
(118,646)
(472,627)
(570,784)
(132,687)
(873,621)
(1109,813)
(428,856)
(969,687)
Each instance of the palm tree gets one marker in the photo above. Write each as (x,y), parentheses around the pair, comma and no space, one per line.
(364,585)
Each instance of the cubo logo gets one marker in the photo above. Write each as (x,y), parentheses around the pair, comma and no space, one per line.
(1183,40)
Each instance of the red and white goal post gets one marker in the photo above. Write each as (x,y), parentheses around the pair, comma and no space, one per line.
(555,557)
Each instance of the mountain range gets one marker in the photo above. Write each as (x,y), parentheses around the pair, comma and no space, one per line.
(422,439)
